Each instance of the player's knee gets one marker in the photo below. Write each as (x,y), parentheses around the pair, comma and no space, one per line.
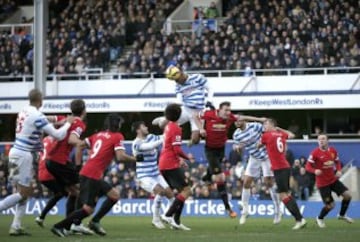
(169,193)
(347,196)
(247,182)
(114,195)
(88,209)
(330,206)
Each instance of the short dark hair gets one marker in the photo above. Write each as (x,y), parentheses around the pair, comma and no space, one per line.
(226,103)
(113,122)
(136,125)
(77,107)
(35,95)
(172,112)
(272,121)
(324,134)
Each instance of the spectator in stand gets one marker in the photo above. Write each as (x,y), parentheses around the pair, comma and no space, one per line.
(212,11)
(303,181)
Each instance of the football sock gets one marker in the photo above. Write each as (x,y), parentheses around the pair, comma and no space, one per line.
(177,214)
(276,199)
(19,213)
(245,197)
(70,204)
(10,201)
(179,200)
(76,217)
(324,211)
(293,208)
(221,187)
(104,209)
(50,204)
(344,207)
(157,206)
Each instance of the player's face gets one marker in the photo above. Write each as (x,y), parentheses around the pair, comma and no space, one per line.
(240,124)
(323,141)
(144,129)
(224,112)
(268,125)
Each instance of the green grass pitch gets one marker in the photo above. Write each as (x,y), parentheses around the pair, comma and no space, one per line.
(212,229)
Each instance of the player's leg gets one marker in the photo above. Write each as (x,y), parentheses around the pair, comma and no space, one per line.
(341,190)
(58,192)
(282,181)
(151,185)
(112,197)
(159,121)
(176,179)
(89,190)
(195,131)
(252,170)
(214,157)
(16,159)
(329,204)
(270,184)
(68,177)
(21,171)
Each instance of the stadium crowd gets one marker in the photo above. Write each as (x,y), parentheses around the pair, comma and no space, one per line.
(122,176)
(279,34)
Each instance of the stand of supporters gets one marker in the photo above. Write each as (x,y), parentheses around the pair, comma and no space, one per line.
(255,35)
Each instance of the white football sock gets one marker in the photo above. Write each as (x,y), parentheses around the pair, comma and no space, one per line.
(19,213)
(157,206)
(276,199)
(10,201)
(245,197)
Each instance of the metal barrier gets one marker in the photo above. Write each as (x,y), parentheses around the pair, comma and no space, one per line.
(99,74)
(15,29)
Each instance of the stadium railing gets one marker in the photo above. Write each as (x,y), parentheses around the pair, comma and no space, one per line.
(98,73)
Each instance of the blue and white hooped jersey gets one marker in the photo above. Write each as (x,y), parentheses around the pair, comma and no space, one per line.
(29,125)
(193,91)
(148,167)
(249,138)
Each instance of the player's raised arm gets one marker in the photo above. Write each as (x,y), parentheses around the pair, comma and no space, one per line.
(290,134)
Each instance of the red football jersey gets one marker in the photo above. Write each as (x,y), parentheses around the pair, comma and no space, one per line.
(216,128)
(43,173)
(326,161)
(275,142)
(61,150)
(172,137)
(103,146)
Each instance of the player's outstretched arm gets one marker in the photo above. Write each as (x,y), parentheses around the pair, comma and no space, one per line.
(290,134)
(121,155)
(251,118)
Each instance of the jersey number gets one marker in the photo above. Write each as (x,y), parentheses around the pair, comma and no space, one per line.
(279,145)
(96,148)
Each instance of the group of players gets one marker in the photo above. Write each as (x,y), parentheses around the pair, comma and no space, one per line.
(263,140)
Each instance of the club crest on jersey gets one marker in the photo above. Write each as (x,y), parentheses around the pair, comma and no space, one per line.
(178,138)
(329,163)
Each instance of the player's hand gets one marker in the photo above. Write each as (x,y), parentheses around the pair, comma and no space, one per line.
(338,173)
(183,164)
(317,172)
(210,105)
(139,157)
(70,119)
(203,133)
